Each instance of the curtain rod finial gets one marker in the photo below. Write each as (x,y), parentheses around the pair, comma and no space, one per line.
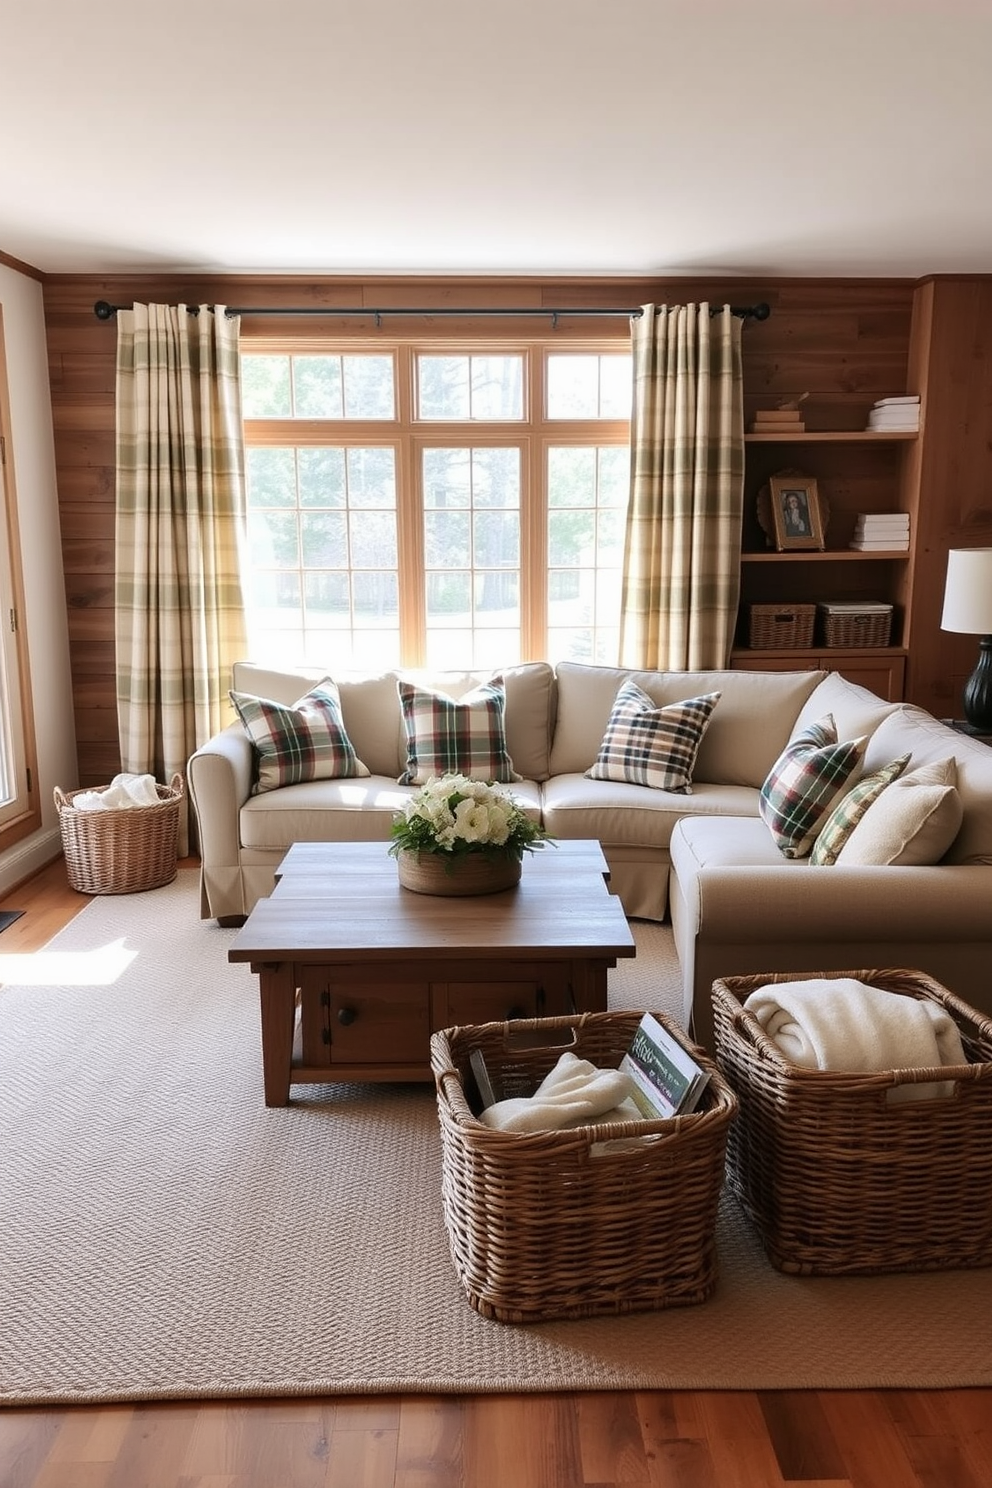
(104,311)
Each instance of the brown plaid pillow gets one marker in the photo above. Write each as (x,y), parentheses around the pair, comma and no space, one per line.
(649,744)
(304,742)
(444,737)
(805,783)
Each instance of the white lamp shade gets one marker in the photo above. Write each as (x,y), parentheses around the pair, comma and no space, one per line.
(968,592)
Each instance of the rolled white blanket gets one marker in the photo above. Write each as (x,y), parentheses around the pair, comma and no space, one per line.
(841,1024)
(574,1093)
(125,791)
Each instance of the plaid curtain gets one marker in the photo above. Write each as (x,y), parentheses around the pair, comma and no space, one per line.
(681,581)
(179,533)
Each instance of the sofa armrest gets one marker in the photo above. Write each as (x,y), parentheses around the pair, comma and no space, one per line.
(799,902)
(219,776)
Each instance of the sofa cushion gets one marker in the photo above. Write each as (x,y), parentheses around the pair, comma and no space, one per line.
(339,811)
(804,784)
(850,809)
(446,737)
(649,745)
(746,734)
(304,741)
(618,814)
(370,707)
(929,740)
(911,824)
(853,708)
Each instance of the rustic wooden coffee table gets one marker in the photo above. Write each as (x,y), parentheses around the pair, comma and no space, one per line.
(355,973)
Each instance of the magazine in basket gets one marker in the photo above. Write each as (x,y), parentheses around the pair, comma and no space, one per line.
(667,1080)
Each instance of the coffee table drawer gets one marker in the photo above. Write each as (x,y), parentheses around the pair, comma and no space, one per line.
(544,994)
(365,1022)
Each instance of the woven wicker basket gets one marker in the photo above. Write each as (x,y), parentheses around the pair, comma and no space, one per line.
(870,628)
(835,1176)
(772,626)
(553,1224)
(121,851)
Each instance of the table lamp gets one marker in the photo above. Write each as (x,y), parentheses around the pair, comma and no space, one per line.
(968,610)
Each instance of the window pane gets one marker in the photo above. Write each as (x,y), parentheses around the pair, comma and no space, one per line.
(324,539)
(321,476)
(443,387)
(586,528)
(273,539)
(265,388)
(472,550)
(373,540)
(317,391)
(588,387)
(368,387)
(372,478)
(470,387)
(271,477)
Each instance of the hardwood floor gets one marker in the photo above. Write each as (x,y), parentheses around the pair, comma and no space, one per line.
(865,1439)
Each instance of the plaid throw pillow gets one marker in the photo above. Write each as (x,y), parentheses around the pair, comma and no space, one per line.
(304,742)
(445,737)
(804,784)
(649,744)
(850,809)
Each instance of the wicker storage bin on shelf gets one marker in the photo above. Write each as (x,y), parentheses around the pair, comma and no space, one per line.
(567,1224)
(121,850)
(835,1176)
(771,626)
(847,626)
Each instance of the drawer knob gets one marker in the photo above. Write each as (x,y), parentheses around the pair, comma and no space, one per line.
(346,1015)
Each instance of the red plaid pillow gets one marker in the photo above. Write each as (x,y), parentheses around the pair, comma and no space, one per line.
(304,742)
(444,737)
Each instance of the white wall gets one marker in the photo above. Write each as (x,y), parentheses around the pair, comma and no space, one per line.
(31,455)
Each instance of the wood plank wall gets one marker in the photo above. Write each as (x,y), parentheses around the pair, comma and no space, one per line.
(846,342)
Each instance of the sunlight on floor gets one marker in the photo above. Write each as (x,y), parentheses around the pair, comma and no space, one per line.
(97,968)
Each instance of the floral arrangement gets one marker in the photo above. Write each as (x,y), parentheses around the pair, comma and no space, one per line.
(455,815)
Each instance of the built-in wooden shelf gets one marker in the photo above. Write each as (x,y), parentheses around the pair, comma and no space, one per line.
(832,555)
(836,436)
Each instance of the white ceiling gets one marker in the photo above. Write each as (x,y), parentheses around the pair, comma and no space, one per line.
(642,137)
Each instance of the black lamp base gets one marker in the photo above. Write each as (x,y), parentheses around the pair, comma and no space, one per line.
(978,690)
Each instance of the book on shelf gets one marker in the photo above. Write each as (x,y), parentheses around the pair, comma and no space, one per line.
(906,400)
(893,421)
(880,544)
(667,1080)
(777,415)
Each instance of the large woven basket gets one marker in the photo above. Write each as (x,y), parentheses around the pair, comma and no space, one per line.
(121,851)
(867,628)
(838,1178)
(566,1224)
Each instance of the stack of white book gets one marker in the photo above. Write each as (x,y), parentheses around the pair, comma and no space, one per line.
(881,531)
(892,414)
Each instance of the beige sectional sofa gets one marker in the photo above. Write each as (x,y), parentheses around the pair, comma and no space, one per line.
(736,904)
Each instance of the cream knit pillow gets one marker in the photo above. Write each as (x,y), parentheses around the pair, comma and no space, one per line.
(912,823)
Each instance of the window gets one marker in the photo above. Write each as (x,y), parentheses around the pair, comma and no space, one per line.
(19,810)
(439,506)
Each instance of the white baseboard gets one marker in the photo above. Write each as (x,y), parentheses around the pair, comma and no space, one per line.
(27,858)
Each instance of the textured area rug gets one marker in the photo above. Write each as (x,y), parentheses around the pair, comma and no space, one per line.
(164,1235)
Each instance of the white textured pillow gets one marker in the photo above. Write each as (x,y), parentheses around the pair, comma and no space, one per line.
(911,824)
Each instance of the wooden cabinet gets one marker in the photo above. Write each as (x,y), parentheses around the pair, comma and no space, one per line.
(882,672)
(856,471)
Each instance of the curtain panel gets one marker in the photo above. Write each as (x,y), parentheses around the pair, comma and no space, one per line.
(681,584)
(180,533)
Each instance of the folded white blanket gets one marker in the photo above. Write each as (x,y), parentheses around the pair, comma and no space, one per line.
(839,1023)
(574,1093)
(125,791)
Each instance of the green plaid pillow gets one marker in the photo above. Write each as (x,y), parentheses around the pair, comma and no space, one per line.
(304,742)
(850,809)
(444,737)
(649,744)
(804,784)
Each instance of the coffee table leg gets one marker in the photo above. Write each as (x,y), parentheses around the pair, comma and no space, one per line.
(278,1009)
(589,986)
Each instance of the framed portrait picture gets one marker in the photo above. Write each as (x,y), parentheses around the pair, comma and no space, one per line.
(797,517)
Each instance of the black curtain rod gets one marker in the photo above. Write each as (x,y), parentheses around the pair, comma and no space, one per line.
(105,311)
